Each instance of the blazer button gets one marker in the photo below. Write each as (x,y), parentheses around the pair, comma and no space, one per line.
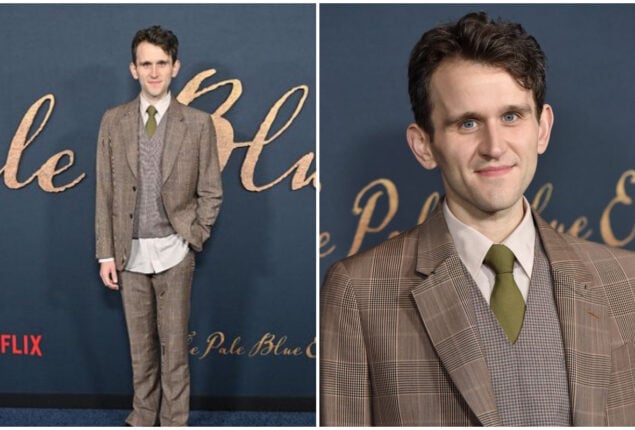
(130,216)
(134,188)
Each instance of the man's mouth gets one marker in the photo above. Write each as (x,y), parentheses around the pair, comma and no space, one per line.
(494,171)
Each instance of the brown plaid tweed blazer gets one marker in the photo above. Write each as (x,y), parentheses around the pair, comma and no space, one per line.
(191,190)
(399,343)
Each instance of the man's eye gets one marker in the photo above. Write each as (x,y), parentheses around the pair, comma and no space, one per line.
(468,124)
(509,117)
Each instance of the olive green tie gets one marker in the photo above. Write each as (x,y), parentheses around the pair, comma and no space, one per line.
(506,301)
(151,123)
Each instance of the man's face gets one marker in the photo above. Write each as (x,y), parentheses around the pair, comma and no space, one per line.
(486,140)
(154,70)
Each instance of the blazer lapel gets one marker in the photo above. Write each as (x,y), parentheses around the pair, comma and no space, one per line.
(583,314)
(444,304)
(129,133)
(174,136)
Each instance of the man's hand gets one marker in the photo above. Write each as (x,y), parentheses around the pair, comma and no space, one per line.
(108,274)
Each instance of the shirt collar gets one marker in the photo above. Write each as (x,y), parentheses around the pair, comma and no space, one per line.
(472,246)
(161,106)
(522,241)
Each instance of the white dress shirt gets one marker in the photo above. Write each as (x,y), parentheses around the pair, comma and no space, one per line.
(472,247)
(155,255)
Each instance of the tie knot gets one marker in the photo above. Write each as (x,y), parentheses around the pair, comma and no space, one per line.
(500,258)
(151,110)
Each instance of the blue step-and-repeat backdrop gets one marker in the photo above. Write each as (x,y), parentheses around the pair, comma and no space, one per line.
(371,184)
(252,67)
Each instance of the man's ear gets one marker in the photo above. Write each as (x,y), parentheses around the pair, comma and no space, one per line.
(176,68)
(133,71)
(545,126)
(421,146)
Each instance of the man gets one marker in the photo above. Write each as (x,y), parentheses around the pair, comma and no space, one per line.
(483,314)
(158,195)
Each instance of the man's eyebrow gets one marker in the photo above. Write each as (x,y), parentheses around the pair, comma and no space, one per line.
(147,63)
(460,117)
(522,108)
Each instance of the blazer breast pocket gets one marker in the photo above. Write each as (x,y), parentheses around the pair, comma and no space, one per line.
(620,406)
(187,164)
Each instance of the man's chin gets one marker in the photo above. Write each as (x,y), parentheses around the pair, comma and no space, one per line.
(155,95)
(499,206)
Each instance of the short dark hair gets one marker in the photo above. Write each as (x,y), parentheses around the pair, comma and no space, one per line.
(159,36)
(475,37)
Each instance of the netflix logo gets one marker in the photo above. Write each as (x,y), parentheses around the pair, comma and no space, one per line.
(25,344)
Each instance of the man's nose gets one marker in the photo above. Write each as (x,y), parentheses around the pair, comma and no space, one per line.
(493,142)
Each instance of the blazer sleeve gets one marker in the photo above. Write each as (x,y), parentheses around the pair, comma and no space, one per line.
(103,196)
(345,388)
(209,189)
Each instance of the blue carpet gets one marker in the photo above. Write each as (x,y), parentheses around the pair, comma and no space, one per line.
(115,417)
